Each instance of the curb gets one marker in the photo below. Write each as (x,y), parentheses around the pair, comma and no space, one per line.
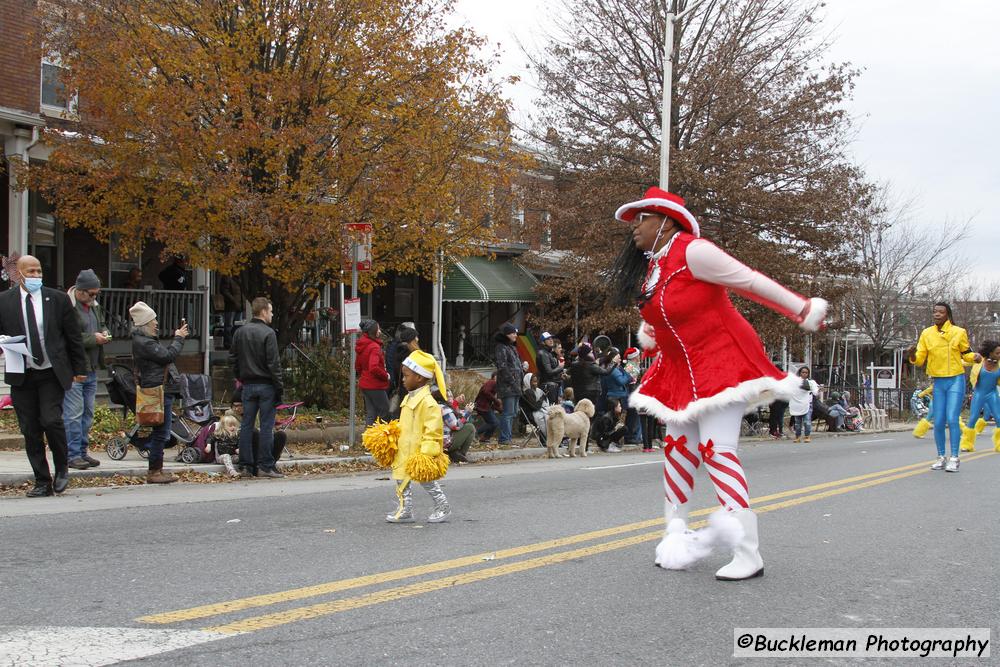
(14,479)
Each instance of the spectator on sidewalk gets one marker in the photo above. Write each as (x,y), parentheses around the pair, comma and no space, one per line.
(405,342)
(78,404)
(776,419)
(585,375)
(550,369)
(255,362)
(225,443)
(55,360)
(535,404)
(280,437)
(800,405)
(487,405)
(369,362)
(458,431)
(154,366)
(510,375)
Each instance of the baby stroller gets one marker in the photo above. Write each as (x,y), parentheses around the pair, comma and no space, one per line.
(189,431)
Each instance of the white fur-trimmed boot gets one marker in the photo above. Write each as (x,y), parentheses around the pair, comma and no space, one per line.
(673,553)
(746,562)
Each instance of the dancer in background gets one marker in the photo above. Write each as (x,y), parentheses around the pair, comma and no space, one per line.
(943,347)
(710,367)
(984,378)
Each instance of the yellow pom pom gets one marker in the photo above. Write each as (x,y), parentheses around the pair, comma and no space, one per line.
(425,468)
(381,439)
(921,428)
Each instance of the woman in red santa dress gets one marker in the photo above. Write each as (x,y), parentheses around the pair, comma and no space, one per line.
(709,369)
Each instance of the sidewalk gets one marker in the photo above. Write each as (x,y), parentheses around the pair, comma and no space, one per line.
(14,467)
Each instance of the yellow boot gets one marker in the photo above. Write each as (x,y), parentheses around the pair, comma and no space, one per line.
(968,442)
(996,439)
(920,430)
(980,425)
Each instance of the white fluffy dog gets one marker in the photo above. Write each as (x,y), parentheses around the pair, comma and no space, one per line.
(575,426)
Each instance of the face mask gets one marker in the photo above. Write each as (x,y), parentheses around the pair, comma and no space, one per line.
(33,284)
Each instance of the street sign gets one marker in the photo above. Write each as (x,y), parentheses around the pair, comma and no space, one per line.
(361,237)
(352,316)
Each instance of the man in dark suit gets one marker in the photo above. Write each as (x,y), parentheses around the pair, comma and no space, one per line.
(56,358)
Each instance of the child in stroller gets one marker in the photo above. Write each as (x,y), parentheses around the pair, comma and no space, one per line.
(189,431)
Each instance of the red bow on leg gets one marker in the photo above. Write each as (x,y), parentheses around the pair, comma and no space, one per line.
(707,450)
(669,444)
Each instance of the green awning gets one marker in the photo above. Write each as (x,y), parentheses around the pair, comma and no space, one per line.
(479,279)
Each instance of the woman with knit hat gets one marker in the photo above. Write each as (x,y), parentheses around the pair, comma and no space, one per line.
(154,366)
(709,369)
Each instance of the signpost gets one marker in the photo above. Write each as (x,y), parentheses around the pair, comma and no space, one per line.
(361,260)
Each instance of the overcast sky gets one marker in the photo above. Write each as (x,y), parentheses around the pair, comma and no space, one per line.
(927,103)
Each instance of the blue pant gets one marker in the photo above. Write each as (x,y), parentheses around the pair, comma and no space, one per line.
(161,434)
(489,426)
(981,400)
(507,418)
(258,398)
(949,394)
(802,424)
(78,415)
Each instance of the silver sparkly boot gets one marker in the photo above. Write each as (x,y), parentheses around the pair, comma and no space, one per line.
(403,513)
(441,509)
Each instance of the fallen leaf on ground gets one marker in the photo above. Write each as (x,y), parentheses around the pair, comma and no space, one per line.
(234,521)
(330,530)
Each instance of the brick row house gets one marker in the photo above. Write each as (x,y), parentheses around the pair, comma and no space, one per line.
(462,309)
(32,99)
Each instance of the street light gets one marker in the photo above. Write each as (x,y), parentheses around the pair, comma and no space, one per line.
(668,80)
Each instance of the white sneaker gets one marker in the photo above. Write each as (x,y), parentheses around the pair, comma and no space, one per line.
(939,464)
(952,465)
(404,517)
(613,449)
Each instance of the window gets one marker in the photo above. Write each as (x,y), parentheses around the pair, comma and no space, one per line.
(54,95)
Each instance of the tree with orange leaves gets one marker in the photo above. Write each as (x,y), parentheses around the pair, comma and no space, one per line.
(247,133)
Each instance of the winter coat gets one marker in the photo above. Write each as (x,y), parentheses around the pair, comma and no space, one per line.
(232,294)
(254,355)
(89,339)
(549,368)
(800,399)
(585,377)
(510,373)
(151,358)
(369,362)
(421,429)
(615,383)
(486,399)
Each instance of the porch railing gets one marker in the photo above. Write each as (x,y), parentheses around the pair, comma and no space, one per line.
(170,306)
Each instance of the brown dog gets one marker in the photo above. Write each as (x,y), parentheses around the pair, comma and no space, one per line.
(575,426)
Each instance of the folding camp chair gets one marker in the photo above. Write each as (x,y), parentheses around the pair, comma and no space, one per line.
(530,427)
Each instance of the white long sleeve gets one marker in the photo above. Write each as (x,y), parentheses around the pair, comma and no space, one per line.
(708,262)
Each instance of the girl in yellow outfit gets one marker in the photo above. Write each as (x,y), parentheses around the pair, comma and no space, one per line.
(943,347)
(420,454)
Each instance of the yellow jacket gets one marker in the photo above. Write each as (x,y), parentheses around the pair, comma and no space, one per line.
(421,429)
(943,350)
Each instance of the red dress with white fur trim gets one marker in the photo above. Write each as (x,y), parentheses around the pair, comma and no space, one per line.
(708,354)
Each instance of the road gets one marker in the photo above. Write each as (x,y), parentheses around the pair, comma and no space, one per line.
(543,563)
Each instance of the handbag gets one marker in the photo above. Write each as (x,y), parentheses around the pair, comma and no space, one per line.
(218,303)
(149,403)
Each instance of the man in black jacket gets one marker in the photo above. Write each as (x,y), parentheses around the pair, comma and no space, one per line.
(510,377)
(55,360)
(550,371)
(254,356)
